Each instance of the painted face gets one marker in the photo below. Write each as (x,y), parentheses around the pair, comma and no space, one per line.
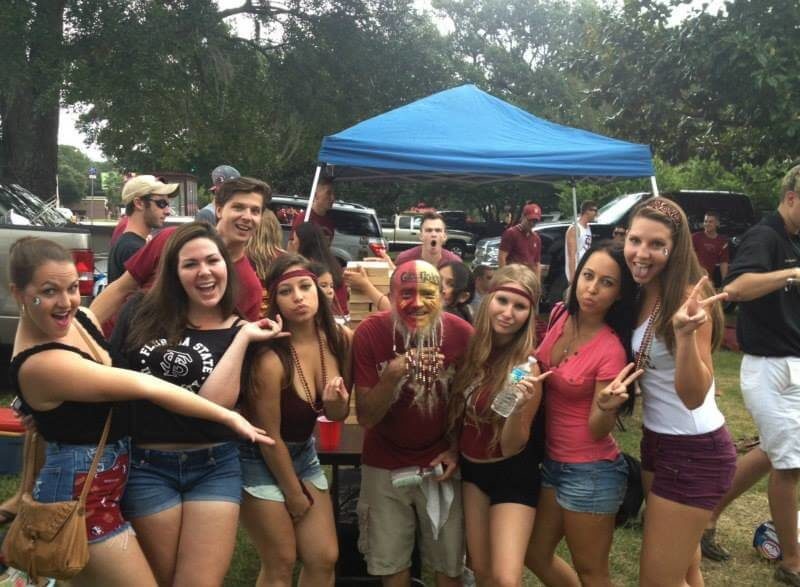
(154,214)
(325,282)
(508,311)
(415,294)
(598,284)
(645,247)
(297,297)
(448,285)
(56,286)
(238,219)
(202,273)
(433,235)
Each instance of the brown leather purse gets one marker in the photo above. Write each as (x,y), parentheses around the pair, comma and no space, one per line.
(49,539)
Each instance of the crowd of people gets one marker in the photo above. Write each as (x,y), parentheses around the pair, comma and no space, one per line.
(222,351)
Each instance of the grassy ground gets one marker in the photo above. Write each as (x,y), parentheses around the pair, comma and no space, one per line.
(735,528)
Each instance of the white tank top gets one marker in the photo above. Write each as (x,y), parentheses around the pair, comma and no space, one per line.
(584,244)
(663,409)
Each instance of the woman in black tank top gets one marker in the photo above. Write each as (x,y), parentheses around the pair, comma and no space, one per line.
(185,483)
(61,370)
(286,507)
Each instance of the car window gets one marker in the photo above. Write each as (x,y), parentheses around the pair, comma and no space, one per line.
(416,222)
(404,222)
(355,223)
(285,212)
(615,210)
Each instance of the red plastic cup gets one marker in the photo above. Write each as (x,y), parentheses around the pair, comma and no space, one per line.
(330,433)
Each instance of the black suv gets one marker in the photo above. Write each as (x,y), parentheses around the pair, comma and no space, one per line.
(735,210)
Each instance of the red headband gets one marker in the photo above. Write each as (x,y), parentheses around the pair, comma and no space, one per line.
(516,290)
(290,274)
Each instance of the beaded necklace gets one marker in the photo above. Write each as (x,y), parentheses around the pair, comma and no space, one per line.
(298,367)
(643,354)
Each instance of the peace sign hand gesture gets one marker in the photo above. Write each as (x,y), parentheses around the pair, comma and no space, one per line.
(692,314)
(613,395)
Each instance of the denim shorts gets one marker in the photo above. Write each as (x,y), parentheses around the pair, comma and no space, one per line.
(63,475)
(258,480)
(161,479)
(591,488)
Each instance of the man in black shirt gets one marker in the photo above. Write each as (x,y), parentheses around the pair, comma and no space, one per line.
(146,202)
(764,277)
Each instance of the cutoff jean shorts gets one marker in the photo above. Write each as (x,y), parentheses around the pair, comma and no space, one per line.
(162,479)
(63,475)
(597,487)
(258,481)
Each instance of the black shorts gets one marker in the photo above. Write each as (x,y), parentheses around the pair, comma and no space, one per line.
(512,480)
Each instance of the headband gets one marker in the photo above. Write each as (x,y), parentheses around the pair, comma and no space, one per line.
(290,274)
(667,209)
(516,290)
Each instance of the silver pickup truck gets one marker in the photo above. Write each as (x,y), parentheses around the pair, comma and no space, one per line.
(23,214)
(402,232)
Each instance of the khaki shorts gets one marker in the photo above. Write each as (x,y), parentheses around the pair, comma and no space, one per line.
(389,518)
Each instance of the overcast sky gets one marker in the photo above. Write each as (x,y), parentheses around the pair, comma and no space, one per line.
(69,135)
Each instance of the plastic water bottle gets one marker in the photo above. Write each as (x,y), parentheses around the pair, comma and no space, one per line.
(506,400)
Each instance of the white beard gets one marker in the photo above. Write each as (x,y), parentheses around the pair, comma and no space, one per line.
(429,388)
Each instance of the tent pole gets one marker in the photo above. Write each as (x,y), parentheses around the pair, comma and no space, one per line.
(313,192)
(575,223)
(654,185)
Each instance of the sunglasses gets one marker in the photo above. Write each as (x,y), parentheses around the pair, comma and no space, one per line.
(159,203)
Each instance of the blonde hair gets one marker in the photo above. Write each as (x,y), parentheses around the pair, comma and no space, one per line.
(477,372)
(681,272)
(266,243)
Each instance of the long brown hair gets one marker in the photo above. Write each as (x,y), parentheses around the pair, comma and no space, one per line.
(478,372)
(681,272)
(334,336)
(266,243)
(164,310)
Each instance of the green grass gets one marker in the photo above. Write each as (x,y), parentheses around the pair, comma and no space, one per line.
(735,528)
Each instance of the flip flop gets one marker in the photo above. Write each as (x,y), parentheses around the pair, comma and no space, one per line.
(6,517)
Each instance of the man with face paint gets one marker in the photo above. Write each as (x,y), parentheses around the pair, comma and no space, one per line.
(403,362)
(433,234)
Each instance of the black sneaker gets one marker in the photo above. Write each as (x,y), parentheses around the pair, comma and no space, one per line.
(712,549)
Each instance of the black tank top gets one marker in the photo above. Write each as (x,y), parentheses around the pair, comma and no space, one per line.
(186,364)
(72,422)
(297,417)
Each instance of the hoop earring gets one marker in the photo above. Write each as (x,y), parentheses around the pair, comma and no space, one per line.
(37,300)
(666,252)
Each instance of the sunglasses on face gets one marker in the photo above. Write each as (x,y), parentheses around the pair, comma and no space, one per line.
(159,203)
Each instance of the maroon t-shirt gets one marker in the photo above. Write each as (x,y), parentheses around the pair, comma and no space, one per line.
(409,433)
(415,254)
(710,251)
(324,222)
(142,267)
(523,246)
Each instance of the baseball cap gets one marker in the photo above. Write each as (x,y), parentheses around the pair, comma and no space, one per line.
(532,212)
(144,185)
(223,173)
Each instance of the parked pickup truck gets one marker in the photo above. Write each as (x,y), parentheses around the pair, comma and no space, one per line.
(403,231)
(23,214)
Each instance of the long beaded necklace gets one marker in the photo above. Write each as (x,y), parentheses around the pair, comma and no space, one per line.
(643,354)
(423,363)
(298,367)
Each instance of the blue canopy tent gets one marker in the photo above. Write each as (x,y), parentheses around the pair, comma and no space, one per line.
(465,135)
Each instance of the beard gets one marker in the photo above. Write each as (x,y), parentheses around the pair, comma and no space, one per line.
(425,375)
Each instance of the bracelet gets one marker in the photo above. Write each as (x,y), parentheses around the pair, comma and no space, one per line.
(602,409)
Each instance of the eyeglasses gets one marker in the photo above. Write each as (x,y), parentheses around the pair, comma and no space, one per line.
(159,203)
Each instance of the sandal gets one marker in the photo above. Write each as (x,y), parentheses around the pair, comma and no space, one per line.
(712,549)
(6,517)
(784,575)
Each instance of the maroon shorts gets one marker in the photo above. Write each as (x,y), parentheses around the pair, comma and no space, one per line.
(695,470)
